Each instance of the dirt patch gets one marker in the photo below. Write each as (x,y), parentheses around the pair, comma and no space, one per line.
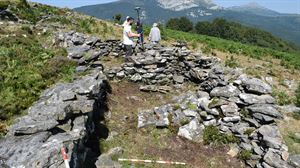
(194,154)
(152,143)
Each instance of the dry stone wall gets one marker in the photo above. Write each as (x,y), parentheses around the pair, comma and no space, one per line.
(67,115)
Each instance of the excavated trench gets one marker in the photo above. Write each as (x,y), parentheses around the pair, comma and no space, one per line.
(87,150)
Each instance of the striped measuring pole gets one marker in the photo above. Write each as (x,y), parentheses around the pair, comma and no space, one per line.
(151,161)
(65,157)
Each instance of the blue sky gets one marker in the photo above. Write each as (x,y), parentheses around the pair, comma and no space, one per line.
(283,6)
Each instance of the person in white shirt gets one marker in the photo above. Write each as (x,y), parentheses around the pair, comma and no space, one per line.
(154,35)
(128,36)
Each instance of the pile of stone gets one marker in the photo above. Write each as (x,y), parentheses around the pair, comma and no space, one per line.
(87,50)
(243,108)
(167,65)
(6,14)
(66,115)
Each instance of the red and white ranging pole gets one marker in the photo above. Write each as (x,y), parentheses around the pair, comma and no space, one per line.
(65,157)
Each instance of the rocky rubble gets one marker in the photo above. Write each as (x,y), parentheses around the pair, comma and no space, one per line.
(242,108)
(67,115)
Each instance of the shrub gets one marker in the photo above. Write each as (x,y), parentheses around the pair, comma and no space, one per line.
(231,62)
(212,135)
(297,94)
(27,29)
(117,18)
(4,4)
(281,97)
(3,130)
(23,4)
(245,155)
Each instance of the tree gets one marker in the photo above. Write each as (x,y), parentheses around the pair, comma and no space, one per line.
(173,24)
(181,24)
(202,28)
(117,18)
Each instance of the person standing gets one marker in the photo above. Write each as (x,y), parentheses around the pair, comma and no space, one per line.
(128,36)
(154,36)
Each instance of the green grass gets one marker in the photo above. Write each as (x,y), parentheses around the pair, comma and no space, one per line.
(282,98)
(245,155)
(288,60)
(293,143)
(26,69)
(33,14)
(212,135)
(231,62)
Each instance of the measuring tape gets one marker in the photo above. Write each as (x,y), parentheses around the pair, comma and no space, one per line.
(151,161)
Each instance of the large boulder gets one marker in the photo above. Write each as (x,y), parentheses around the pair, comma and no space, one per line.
(192,131)
(255,99)
(105,160)
(271,136)
(273,158)
(230,110)
(265,109)
(295,160)
(254,85)
(226,91)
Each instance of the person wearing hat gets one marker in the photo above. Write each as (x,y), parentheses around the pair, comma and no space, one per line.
(154,36)
(128,36)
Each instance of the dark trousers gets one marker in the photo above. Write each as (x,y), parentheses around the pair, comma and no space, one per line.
(128,51)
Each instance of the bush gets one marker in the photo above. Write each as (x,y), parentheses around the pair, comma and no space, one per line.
(245,155)
(231,62)
(297,94)
(4,4)
(212,135)
(281,97)
(117,18)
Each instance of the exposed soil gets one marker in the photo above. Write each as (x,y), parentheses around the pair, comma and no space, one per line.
(194,154)
(151,143)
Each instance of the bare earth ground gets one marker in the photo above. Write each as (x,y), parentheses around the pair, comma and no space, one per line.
(151,143)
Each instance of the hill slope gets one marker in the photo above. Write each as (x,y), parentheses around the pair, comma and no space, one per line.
(281,25)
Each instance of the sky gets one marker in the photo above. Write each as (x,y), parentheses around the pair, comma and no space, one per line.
(283,6)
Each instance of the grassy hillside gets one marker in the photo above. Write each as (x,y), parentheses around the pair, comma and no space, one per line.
(29,60)
(248,35)
(289,60)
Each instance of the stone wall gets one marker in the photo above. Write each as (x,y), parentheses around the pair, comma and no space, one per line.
(67,115)
(70,115)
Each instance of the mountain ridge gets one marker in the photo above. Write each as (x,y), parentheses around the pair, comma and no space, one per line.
(285,26)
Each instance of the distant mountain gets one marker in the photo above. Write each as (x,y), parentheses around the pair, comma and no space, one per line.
(285,26)
(256,9)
